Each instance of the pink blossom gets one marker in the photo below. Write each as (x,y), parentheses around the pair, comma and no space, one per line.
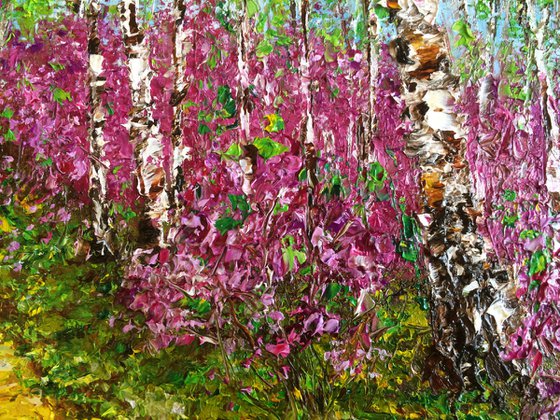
(280,349)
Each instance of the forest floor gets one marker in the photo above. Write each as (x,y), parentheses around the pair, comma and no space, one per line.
(17,402)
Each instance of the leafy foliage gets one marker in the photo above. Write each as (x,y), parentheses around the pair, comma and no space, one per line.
(305,296)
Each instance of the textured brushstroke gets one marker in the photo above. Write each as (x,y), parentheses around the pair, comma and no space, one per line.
(144,131)
(181,47)
(255,165)
(99,164)
(307,125)
(550,115)
(369,122)
(248,160)
(470,294)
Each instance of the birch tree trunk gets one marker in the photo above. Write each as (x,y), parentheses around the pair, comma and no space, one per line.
(5,23)
(549,114)
(181,47)
(98,164)
(487,58)
(471,296)
(369,121)
(248,160)
(486,96)
(308,126)
(144,131)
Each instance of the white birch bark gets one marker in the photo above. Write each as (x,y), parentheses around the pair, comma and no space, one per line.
(248,160)
(550,117)
(369,121)
(144,131)
(471,297)
(98,164)
(308,129)
(308,124)
(181,47)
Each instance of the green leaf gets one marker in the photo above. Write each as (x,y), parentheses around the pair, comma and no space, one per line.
(129,214)
(56,66)
(275,123)
(529,234)
(252,8)
(537,263)
(234,151)
(513,92)
(381,12)
(227,101)
(509,195)
(47,162)
(240,202)
(202,306)
(289,254)
(269,148)
(509,220)
(280,208)
(110,109)
(408,251)
(482,10)
(423,303)
(466,37)
(331,290)
(409,227)
(203,129)
(60,95)
(534,285)
(264,48)
(7,113)
(376,176)
(225,224)
(214,57)
(10,136)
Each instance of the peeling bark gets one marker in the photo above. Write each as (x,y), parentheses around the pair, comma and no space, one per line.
(485,97)
(144,131)
(549,115)
(308,126)
(487,59)
(99,165)
(248,160)
(181,47)
(308,130)
(369,121)
(471,296)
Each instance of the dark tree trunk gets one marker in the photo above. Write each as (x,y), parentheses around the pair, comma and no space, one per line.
(471,295)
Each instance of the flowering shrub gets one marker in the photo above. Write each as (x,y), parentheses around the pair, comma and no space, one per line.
(237,208)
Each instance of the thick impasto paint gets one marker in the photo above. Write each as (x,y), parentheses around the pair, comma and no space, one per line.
(284,209)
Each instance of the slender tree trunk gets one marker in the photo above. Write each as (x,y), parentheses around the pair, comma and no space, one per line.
(488,60)
(471,296)
(5,24)
(98,164)
(181,47)
(369,121)
(144,131)
(308,125)
(248,160)
(549,115)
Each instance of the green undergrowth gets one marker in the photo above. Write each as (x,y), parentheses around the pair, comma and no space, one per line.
(63,314)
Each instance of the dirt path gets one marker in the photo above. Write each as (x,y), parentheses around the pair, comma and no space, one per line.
(17,402)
